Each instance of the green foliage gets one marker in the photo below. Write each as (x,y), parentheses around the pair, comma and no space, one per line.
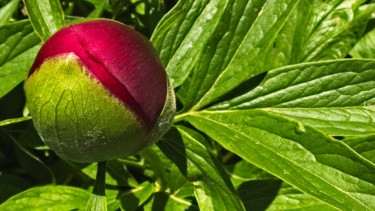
(48,198)
(47,16)
(7,11)
(276,108)
(19,48)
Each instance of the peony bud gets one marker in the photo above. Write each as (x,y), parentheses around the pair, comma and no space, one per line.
(97,91)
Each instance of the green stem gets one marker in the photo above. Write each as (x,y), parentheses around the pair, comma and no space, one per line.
(98,201)
(99,186)
(157,166)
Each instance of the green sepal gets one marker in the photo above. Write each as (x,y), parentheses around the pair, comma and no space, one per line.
(77,117)
(165,119)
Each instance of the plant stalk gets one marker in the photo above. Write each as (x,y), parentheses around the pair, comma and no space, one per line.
(97,200)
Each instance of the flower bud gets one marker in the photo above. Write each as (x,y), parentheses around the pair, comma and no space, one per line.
(97,91)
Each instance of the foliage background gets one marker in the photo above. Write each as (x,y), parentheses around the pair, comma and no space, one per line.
(275,103)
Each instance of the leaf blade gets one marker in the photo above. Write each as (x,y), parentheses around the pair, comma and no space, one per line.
(365,48)
(46,16)
(337,121)
(248,61)
(18,48)
(7,11)
(298,154)
(333,83)
(48,198)
(190,38)
(187,149)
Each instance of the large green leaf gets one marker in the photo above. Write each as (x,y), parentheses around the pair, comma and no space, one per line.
(188,150)
(48,198)
(237,51)
(365,48)
(331,95)
(321,30)
(315,30)
(300,155)
(18,48)
(337,121)
(319,84)
(46,16)
(180,47)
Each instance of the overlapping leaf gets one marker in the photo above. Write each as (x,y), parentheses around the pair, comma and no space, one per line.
(245,44)
(365,48)
(288,198)
(237,50)
(132,199)
(46,16)
(321,84)
(333,96)
(364,145)
(319,30)
(18,48)
(298,154)
(337,121)
(188,150)
(180,47)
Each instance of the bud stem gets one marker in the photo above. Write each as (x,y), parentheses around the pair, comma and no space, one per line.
(98,201)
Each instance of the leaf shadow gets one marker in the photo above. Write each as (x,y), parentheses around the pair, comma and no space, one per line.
(257,195)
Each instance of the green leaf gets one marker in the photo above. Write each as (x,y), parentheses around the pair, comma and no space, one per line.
(289,198)
(176,180)
(365,48)
(132,199)
(18,48)
(99,8)
(180,47)
(321,30)
(364,145)
(119,172)
(46,16)
(237,51)
(337,121)
(243,43)
(163,201)
(300,155)
(243,171)
(48,198)
(188,150)
(7,11)
(14,120)
(319,84)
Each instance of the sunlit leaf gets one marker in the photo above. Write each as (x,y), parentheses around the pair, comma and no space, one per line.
(300,155)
